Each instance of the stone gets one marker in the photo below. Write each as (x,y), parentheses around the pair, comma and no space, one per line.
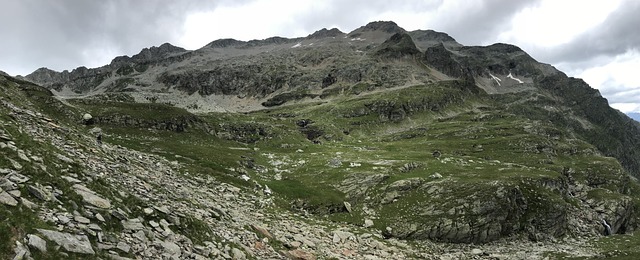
(164,223)
(237,254)
(16,165)
(132,224)
(63,219)
(436,176)
(72,243)
(263,231)
(37,243)
(71,179)
(476,251)
(295,244)
(81,220)
(38,193)
(347,206)
(153,224)
(27,203)
(140,236)
(23,156)
(299,254)
(21,251)
(124,247)
(17,178)
(94,226)
(90,197)
(7,199)
(99,217)
(6,184)
(119,214)
(171,248)
(147,211)
(14,193)
(163,209)
(341,236)
(368,223)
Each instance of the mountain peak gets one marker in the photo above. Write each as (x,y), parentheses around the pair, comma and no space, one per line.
(223,43)
(324,33)
(383,26)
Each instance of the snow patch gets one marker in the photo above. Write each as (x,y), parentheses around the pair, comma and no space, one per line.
(357,39)
(496,79)
(297,45)
(513,78)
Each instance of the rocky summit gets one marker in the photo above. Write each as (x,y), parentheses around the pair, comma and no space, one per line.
(379,143)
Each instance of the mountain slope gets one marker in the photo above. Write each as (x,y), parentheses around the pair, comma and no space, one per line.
(407,134)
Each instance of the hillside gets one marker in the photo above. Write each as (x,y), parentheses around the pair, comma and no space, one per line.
(374,144)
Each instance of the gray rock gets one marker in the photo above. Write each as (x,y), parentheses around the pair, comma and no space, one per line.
(341,236)
(153,223)
(23,156)
(7,199)
(37,243)
(476,251)
(21,251)
(163,209)
(120,214)
(124,247)
(27,203)
(140,236)
(171,248)
(238,254)
(99,217)
(82,220)
(347,206)
(94,226)
(6,184)
(132,224)
(16,165)
(72,243)
(71,179)
(39,193)
(63,219)
(147,211)
(17,178)
(15,193)
(368,223)
(91,197)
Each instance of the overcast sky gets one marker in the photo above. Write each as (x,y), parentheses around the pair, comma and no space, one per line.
(597,40)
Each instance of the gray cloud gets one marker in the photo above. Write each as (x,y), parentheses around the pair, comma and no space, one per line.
(69,33)
(475,24)
(615,36)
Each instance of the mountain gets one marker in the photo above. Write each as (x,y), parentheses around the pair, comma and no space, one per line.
(379,143)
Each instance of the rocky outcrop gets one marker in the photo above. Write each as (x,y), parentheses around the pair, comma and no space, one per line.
(398,46)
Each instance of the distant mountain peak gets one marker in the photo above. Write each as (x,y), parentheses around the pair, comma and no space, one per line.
(324,33)
(223,43)
(383,26)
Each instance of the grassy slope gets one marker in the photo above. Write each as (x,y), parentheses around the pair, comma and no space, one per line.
(445,117)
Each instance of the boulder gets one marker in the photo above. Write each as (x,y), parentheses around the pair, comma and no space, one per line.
(72,243)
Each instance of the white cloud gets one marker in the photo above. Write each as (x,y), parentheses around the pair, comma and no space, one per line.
(254,20)
(553,22)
